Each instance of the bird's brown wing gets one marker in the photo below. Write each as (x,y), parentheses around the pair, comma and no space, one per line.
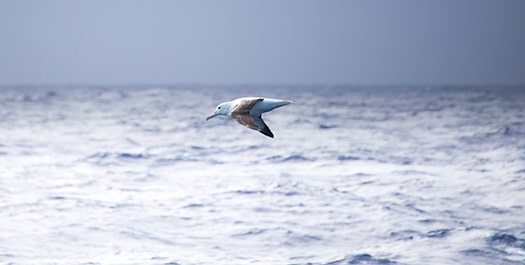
(242,115)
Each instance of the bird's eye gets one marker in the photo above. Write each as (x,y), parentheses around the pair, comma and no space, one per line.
(219,108)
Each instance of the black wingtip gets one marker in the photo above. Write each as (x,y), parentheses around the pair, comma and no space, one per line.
(266,131)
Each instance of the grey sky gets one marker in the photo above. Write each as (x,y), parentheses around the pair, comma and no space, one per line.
(285,41)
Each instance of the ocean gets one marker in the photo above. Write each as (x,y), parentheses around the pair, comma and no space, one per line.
(355,175)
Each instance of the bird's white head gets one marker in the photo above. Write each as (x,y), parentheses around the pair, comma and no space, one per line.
(221,109)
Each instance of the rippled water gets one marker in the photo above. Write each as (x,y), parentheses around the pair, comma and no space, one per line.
(355,175)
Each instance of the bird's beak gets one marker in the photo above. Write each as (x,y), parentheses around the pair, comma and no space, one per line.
(209,117)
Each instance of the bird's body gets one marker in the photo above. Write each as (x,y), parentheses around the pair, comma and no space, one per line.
(247,111)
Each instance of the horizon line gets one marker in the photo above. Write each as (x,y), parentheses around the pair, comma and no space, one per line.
(256,84)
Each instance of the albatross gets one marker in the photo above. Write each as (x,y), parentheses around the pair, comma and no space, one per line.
(248,110)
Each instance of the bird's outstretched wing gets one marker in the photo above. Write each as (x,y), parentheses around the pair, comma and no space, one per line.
(242,115)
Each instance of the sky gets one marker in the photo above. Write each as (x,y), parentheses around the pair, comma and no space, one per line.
(441,42)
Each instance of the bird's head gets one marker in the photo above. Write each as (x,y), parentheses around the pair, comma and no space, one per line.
(221,109)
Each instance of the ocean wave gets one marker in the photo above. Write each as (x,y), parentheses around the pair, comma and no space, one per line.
(506,240)
(361,259)
(290,158)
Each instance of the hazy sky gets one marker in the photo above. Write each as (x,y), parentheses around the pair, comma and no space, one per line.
(284,41)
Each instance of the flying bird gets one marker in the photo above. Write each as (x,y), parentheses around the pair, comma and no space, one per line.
(247,111)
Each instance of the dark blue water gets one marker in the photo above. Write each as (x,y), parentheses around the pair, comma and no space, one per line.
(355,175)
